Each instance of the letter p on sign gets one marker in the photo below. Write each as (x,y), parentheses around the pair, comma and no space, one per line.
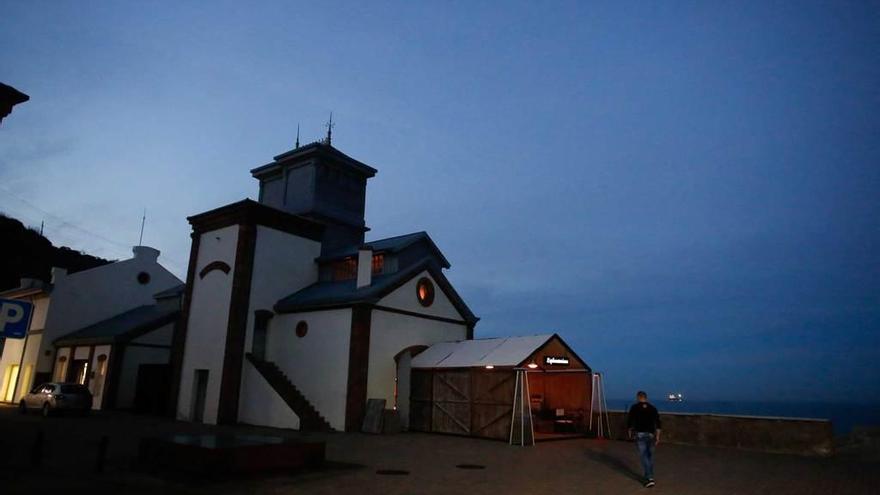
(15,318)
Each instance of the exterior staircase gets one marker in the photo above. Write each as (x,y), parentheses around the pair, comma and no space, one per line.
(309,417)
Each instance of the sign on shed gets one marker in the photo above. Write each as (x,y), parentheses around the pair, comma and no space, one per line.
(15,318)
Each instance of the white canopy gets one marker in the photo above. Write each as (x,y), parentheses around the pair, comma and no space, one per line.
(504,351)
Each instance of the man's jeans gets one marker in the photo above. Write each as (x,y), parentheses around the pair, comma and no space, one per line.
(645,443)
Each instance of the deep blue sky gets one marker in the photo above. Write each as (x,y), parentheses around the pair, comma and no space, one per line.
(689,194)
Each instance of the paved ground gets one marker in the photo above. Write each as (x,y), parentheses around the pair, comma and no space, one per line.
(572,466)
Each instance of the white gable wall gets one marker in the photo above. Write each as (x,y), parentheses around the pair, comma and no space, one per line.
(404,297)
(83,298)
(390,333)
(208,318)
(317,364)
(283,264)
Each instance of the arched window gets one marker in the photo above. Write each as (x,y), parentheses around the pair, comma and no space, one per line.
(302,328)
(425,292)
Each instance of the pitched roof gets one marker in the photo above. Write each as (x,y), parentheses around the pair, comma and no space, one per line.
(502,351)
(389,244)
(175,291)
(322,295)
(27,287)
(316,149)
(121,328)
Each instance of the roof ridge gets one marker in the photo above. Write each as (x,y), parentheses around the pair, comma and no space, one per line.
(397,236)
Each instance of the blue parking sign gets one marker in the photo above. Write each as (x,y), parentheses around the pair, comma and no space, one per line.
(15,318)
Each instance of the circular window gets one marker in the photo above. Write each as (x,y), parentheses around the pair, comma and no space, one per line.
(143,278)
(425,292)
(302,328)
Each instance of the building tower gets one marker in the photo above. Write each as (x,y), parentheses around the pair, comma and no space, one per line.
(321,183)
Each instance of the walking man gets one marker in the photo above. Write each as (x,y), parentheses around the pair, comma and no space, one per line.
(643,421)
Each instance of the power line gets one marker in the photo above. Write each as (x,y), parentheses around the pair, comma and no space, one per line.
(63,222)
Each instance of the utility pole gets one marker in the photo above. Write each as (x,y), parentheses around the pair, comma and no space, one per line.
(143,221)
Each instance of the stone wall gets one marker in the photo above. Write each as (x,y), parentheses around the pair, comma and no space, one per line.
(767,434)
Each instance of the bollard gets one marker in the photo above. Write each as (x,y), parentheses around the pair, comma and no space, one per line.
(37,450)
(102,453)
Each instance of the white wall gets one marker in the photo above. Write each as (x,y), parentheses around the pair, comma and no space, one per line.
(283,264)
(390,333)
(208,318)
(82,298)
(261,405)
(317,363)
(42,362)
(132,358)
(404,297)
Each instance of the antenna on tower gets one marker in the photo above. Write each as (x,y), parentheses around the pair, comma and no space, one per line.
(297,136)
(42,222)
(330,126)
(143,221)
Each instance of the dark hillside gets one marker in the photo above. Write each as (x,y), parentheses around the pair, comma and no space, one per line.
(26,253)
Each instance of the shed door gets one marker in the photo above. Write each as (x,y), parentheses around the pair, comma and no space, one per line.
(492,403)
(452,402)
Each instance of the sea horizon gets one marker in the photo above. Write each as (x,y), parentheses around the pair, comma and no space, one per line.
(844,415)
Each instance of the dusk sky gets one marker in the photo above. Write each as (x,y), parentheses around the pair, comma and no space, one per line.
(688,193)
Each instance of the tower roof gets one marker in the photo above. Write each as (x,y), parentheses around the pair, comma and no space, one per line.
(316,150)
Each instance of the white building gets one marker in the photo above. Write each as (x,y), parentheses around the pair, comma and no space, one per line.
(97,327)
(290,318)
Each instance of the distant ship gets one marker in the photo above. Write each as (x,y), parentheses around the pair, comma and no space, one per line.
(675,398)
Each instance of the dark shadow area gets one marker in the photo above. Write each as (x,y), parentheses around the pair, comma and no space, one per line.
(392,472)
(470,466)
(614,463)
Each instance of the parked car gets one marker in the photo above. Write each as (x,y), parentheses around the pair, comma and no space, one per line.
(52,397)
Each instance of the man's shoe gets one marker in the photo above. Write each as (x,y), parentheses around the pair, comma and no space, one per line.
(650,483)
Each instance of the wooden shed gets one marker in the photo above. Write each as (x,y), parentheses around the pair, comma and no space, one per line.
(468,387)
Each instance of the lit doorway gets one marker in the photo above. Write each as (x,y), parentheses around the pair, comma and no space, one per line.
(11,382)
(79,371)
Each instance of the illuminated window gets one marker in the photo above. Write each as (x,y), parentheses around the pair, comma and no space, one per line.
(302,328)
(378,263)
(345,269)
(425,292)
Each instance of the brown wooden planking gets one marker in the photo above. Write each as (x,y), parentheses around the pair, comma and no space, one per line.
(451,417)
(451,412)
(492,402)
(556,348)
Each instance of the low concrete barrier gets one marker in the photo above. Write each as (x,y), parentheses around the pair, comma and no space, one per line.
(799,436)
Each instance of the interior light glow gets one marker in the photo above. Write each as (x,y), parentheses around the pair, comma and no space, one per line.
(532,365)
(490,367)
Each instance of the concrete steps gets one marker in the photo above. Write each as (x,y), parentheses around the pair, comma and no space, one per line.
(309,417)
